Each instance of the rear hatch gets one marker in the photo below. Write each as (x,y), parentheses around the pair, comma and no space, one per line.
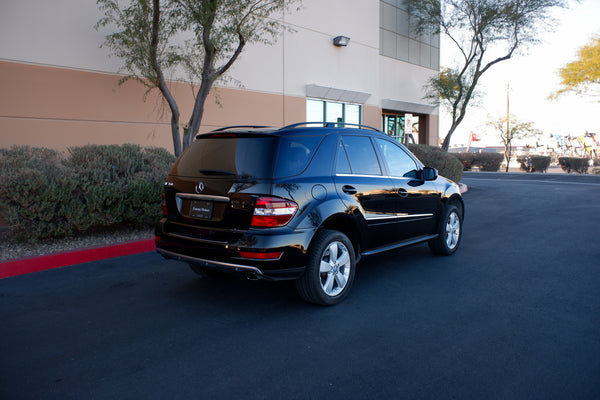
(211,189)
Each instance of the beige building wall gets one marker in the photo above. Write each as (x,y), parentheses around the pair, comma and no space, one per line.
(59,87)
(56,107)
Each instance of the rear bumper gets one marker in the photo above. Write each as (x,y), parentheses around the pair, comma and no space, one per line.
(226,256)
(248,271)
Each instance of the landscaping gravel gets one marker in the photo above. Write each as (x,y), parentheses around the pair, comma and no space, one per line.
(11,250)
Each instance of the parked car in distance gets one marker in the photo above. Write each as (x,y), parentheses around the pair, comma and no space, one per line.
(304,202)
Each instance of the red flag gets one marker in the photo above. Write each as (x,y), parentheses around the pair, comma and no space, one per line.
(474,137)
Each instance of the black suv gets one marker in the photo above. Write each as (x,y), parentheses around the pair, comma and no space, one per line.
(302,202)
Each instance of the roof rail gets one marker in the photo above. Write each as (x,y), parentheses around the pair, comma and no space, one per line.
(240,126)
(332,125)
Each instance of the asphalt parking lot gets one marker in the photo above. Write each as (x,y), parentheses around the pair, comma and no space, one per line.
(515,314)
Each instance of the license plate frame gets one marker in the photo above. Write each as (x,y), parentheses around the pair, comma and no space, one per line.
(201,209)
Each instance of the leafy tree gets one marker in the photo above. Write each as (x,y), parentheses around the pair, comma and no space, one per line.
(485,32)
(511,128)
(582,76)
(148,36)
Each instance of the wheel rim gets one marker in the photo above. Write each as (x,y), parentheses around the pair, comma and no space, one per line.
(452,230)
(334,270)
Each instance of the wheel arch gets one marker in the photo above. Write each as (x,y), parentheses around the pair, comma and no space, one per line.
(456,200)
(346,225)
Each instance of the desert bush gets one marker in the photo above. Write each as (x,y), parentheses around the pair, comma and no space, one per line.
(466,159)
(535,163)
(490,162)
(47,194)
(574,164)
(447,165)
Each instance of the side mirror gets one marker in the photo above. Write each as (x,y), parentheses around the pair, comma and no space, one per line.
(429,174)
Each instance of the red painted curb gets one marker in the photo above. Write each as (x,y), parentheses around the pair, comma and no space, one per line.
(34,264)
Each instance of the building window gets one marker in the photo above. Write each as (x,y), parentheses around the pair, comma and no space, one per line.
(395,126)
(332,111)
(397,39)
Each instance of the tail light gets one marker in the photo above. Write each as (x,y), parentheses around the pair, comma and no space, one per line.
(164,205)
(270,212)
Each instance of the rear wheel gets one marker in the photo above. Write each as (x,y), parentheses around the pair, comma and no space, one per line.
(330,269)
(449,232)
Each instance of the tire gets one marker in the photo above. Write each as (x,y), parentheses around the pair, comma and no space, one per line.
(449,232)
(330,269)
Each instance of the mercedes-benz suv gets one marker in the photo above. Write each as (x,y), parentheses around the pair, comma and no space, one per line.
(303,202)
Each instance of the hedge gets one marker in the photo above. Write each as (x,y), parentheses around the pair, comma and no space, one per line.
(490,162)
(535,163)
(48,194)
(446,164)
(467,160)
(574,164)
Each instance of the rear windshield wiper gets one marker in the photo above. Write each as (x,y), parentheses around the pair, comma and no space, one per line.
(215,172)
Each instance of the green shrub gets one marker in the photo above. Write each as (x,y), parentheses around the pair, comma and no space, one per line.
(535,163)
(490,162)
(90,187)
(447,165)
(574,164)
(466,159)
(485,161)
(19,157)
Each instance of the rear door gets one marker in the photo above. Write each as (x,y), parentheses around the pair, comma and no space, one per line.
(364,189)
(212,187)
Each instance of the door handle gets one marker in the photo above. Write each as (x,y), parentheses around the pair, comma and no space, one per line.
(349,189)
(402,192)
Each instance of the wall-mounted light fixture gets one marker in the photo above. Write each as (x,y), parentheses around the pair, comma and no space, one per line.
(341,41)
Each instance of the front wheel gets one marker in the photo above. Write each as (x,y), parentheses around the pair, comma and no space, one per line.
(330,269)
(449,232)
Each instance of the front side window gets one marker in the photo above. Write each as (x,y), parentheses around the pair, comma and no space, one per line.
(399,163)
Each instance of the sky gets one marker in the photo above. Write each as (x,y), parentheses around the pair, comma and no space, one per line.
(532,78)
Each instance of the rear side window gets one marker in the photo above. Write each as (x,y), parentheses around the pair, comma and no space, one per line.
(361,156)
(294,154)
(243,157)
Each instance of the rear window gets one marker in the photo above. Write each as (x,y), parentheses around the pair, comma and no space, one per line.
(243,157)
(255,157)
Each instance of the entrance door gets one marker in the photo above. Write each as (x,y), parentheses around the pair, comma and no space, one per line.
(395,126)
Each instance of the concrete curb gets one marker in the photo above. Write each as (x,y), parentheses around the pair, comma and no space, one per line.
(28,265)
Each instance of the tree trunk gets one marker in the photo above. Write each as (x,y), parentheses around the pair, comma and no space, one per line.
(162,85)
(446,143)
(508,154)
(197,113)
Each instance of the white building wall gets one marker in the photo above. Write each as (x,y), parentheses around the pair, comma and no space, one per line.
(61,33)
(58,33)
(308,56)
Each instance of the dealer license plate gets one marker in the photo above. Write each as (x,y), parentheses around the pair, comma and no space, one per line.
(201,209)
